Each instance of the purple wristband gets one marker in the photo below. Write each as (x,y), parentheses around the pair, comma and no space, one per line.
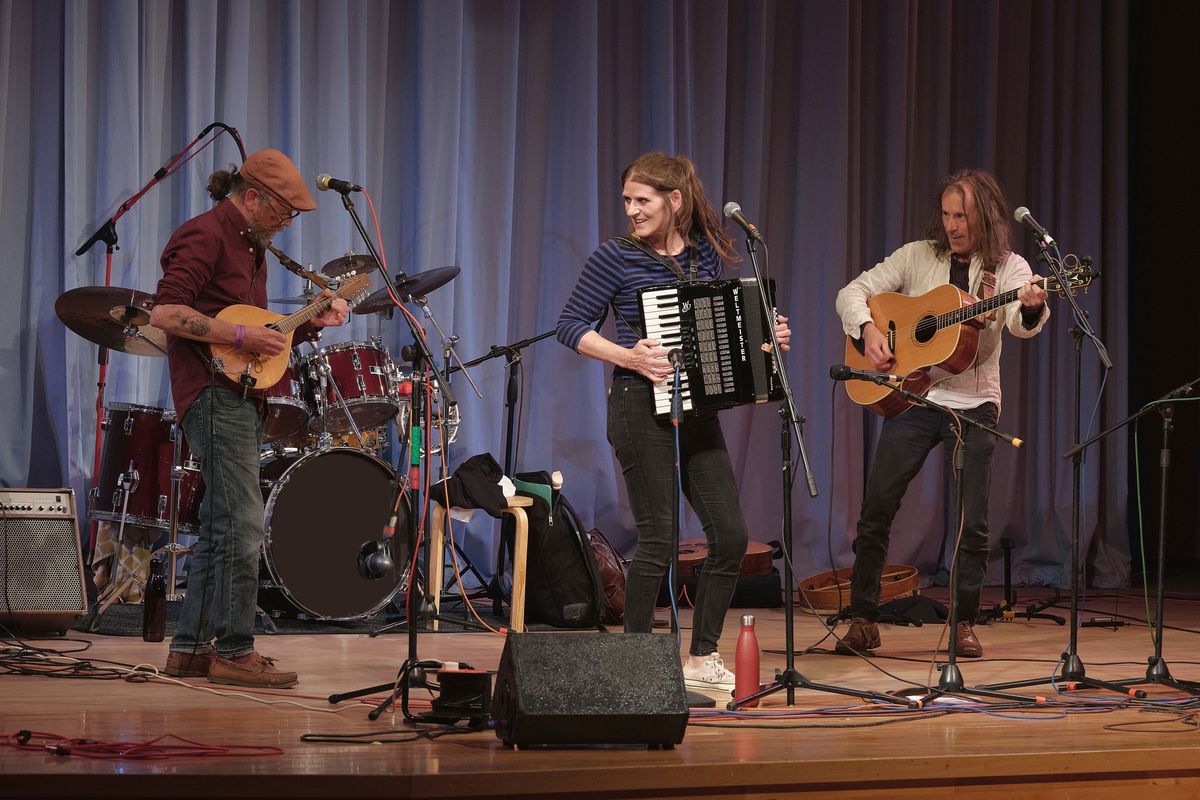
(239,336)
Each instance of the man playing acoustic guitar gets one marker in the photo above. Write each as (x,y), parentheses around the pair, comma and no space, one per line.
(966,244)
(214,261)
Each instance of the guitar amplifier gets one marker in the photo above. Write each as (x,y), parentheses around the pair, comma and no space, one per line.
(41,565)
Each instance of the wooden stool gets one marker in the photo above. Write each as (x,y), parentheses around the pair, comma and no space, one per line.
(437,543)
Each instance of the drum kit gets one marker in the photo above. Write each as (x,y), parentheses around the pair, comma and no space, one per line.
(325,436)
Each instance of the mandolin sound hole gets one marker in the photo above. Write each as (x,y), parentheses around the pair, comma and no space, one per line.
(926,328)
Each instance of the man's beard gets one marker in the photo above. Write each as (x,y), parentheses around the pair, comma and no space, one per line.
(261,236)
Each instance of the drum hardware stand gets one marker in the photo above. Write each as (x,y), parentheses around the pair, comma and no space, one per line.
(128,482)
(1157,671)
(1073,671)
(449,354)
(512,355)
(173,547)
(791,426)
(412,670)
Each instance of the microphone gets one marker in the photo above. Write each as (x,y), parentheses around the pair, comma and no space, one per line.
(841,372)
(675,356)
(375,559)
(325,182)
(734,212)
(1023,216)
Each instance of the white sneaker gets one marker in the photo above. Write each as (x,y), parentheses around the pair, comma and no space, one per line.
(711,674)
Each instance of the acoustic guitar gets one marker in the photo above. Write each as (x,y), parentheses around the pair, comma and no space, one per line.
(263,372)
(933,337)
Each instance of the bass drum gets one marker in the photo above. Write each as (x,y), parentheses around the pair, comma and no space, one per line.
(321,508)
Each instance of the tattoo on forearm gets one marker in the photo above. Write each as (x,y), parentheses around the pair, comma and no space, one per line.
(196,326)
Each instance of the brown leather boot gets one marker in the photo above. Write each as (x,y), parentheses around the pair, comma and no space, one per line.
(862,637)
(968,644)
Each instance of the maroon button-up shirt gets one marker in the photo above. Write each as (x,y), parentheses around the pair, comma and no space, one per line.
(210,263)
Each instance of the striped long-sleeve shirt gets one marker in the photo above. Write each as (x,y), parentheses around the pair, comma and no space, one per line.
(612,275)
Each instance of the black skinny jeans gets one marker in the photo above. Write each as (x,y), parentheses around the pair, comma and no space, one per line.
(903,445)
(645,448)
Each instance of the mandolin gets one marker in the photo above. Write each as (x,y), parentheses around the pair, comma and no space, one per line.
(692,553)
(263,372)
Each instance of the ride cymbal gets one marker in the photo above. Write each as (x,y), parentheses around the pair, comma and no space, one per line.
(112,317)
(407,288)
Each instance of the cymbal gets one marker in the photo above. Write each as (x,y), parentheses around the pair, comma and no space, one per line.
(354,262)
(407,288)
(112,317)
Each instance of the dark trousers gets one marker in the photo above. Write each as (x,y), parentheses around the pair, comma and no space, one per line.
(903,445)
(645,448)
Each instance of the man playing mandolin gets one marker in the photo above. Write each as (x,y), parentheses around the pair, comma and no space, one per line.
(967,244)
(214,261)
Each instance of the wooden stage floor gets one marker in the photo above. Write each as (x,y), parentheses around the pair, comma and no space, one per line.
(826,745)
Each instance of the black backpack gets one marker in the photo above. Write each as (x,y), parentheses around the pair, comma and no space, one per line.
(562,582)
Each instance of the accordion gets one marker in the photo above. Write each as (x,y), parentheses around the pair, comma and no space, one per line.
(724,336)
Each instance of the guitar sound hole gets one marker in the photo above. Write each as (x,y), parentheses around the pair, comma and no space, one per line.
(926,328)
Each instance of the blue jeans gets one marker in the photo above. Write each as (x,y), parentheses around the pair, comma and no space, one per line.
(224,433)
(645,448)
(903,445)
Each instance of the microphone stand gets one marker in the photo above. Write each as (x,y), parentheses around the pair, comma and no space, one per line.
(1157,671)
(512,355)
(950,681)
(1073,671)
(790,678)
(412,670)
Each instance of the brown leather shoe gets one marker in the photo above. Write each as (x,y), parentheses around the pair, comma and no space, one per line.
(188,665)
(862,637)
(259,672)
(968,644)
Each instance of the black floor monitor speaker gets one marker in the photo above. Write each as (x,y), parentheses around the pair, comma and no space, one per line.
(590,689)
(41,566)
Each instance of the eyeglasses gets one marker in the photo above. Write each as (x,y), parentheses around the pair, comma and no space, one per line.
(270,198)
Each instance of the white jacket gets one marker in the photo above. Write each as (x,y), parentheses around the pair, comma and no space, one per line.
(915,269)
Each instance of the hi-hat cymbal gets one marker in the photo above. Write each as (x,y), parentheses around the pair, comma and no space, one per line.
(416,286)
(112,317)
(354,262)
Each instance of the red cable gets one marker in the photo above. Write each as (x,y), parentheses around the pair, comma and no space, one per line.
(157,748)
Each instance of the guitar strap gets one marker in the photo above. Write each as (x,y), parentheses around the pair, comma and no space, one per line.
(987,288)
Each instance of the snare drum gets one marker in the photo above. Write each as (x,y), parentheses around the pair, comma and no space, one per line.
(321,509)
(139,446)
(288,411)
(366,376)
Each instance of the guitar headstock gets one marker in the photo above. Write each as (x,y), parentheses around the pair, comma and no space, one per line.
(1077,277)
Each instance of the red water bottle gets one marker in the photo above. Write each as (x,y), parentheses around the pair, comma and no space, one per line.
(745,659)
